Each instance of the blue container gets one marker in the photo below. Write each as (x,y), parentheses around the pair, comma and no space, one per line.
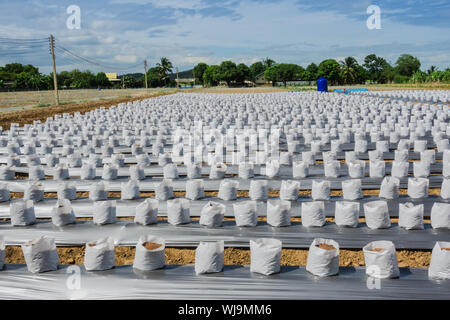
(322,85)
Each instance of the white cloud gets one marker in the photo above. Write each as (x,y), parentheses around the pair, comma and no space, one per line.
(126,59)
(108,40)
(177,4)
(282,31)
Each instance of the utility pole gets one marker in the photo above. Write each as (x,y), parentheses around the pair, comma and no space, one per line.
(55,80)
(145,68)
(178,84)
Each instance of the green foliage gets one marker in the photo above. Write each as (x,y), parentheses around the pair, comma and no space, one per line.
(158,76)
(256,69)
(211,76)
(349,70)
(25,80)
(153,78)
(65,79)
(434,76)
(16,68)
(431,69)
(22,76)
(330,70)
(267,62)
(199,70)
(300,73)
(228,72)
(77,79)
(378,68)
(407,65)
(284,72)
(84,80)
(387,75)
(132,82)
(312,70)
(398,78)
(418,77)
(446,76)
(164,68)
(102,80)
(362,75)
(243,73)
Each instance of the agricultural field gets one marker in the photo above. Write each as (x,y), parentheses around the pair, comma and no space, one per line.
(19,100)
(257,187)
(37,99)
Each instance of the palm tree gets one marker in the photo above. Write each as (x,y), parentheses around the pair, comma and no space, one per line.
(164,67)
(267,62)
(431,70)
(349,69)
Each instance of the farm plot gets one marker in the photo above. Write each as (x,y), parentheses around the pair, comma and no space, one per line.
(226,155)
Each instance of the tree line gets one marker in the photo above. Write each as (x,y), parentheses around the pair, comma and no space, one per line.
(27,77)
(18,76)
(348,71)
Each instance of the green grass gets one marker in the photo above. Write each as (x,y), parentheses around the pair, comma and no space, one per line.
(42,105)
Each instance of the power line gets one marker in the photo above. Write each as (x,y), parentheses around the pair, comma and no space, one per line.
(23,48)
(24,45)
(10,47)
(21,51)
(93,62)
(68,59)
(97,63)
(60,54)
(4,41)
(16,39)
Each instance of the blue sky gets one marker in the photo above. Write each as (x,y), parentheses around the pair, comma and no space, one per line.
(122,33)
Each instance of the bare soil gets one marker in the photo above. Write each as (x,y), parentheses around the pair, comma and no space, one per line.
(325,246)
(151,245)
(233,256)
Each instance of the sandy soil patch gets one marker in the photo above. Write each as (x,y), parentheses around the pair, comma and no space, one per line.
(233,256)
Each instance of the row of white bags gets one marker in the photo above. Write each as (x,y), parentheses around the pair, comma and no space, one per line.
(245,213)
(275,109)
(246,139)
(300,169)
(418,95)
(189,152)
(336,115)
(265,257)
(259,190)
(199,153)
(325,133)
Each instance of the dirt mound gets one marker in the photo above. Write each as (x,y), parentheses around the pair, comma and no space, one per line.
(233,256)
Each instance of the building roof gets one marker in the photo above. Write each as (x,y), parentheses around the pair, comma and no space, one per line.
(112,76)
